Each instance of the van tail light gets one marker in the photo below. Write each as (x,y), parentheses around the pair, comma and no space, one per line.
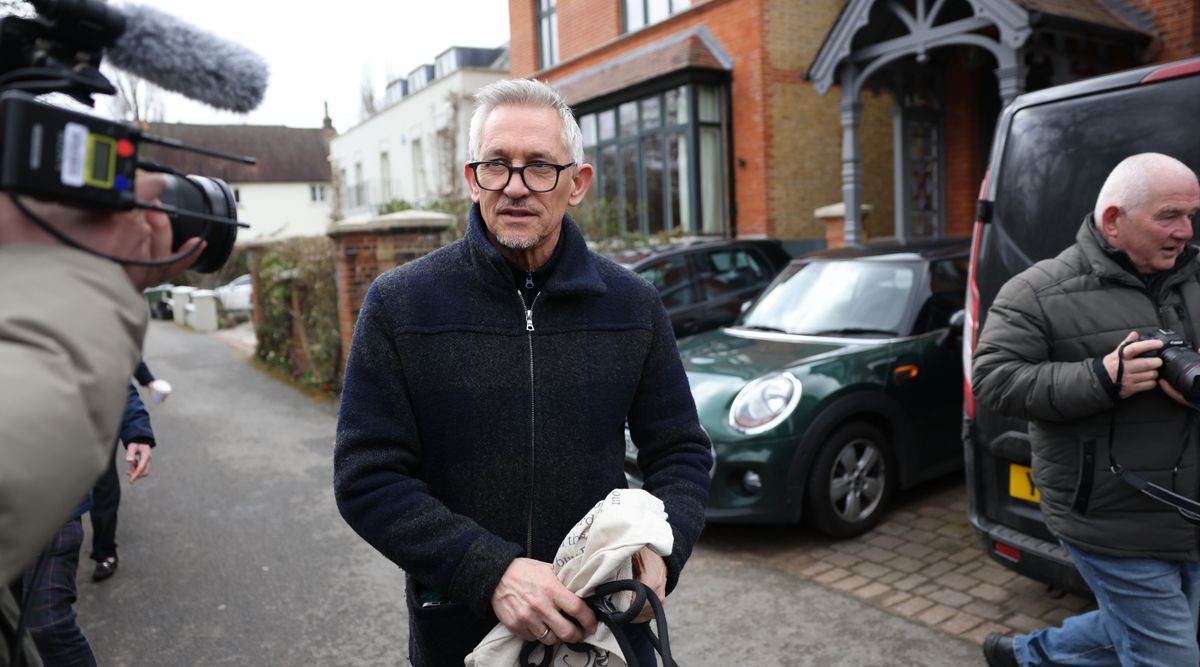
(971,321)
(1006,552)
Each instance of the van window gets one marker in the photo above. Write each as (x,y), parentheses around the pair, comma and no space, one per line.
(1057,156)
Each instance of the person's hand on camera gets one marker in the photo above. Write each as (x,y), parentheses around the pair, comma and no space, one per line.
(137,234)
(1141,373)
(138,456)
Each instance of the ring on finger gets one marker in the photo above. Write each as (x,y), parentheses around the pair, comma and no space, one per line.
(544,634)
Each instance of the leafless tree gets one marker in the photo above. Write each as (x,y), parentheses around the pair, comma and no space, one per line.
(448,147)
(137,100)
(368,100)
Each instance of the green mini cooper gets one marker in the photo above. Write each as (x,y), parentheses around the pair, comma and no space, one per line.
(839,384)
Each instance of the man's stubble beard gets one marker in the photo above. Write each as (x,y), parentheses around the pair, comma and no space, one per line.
(519,243)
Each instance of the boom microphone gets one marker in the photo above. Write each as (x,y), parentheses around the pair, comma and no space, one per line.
(179,57)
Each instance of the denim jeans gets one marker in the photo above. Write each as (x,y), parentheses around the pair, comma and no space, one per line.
(1147,616)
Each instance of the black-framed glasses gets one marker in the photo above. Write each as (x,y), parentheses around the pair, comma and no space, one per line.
(537,176)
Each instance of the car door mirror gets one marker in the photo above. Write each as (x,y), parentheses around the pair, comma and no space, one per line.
(954,331)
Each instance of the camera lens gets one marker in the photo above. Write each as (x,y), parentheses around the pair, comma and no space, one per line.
(211,196)
(1181,368)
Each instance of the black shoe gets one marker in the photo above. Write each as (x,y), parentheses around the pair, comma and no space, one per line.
(998,649)
(105,568)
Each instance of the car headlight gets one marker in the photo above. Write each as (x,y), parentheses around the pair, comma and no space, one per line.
(765,402)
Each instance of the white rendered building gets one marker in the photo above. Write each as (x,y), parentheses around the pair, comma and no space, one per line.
(413,150)
(289,191)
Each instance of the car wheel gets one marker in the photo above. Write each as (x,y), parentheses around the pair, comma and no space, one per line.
(850,483)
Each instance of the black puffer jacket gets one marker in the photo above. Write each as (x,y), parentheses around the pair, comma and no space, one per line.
(1038,358)
(471,434)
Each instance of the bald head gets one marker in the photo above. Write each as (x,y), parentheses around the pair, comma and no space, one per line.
(1146,208)
(1129,184)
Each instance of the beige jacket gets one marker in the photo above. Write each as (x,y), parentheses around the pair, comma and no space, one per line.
(71,330)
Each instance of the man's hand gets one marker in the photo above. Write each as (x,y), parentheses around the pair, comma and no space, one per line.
(1140,374)
(529,600)
(136,234)
(650,569)
(138,455)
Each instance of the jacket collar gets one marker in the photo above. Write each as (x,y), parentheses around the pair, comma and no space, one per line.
(574,271)
(1115,264)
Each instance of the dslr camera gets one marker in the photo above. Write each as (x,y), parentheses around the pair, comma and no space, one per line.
(1181,364)
(59,155)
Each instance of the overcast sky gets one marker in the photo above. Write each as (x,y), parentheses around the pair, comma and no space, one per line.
(321,51)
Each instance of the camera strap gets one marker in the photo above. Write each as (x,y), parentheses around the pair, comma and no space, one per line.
(1187,508)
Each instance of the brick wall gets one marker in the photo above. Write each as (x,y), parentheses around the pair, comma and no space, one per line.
(522,42)
(964,153)
(585,26)
(363,256)
(1178,23)
(804,132)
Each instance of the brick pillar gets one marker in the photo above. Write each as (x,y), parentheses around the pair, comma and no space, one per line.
(834,217)
(367,248)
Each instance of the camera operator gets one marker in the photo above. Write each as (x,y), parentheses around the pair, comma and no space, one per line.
(1062,348)
(71,330)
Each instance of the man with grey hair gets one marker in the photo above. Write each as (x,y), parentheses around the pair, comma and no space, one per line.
(486,393)
(1069,345)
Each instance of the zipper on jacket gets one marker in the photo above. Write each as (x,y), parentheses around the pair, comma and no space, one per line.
(532,418)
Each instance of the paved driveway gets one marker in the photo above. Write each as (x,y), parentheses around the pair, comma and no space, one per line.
(232,552)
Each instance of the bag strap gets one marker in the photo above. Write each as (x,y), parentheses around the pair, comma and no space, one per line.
(615,620)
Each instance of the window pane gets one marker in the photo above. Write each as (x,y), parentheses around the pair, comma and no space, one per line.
(587,126)
(677,105)
(710,104)
(629,119)
(608,124)
(651,113)
(545,45)
(634,15)
(727,271)
(632,200)
(680,5)
(652,167)
(608,169)
(589,199)
(670,276)
(657,10)
(553,55)
(678,169)
(710,181)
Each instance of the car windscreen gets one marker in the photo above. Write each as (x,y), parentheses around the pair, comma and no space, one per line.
(842,297)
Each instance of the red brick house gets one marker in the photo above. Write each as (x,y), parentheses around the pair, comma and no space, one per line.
(743,117)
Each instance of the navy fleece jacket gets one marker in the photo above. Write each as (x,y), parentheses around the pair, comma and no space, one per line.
(475,429)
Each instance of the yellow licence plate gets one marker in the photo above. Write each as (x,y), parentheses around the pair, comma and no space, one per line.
(1020,483)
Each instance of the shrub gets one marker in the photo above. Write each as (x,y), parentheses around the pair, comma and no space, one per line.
(303,268)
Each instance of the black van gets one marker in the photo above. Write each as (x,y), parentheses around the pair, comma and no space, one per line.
(1052,151)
